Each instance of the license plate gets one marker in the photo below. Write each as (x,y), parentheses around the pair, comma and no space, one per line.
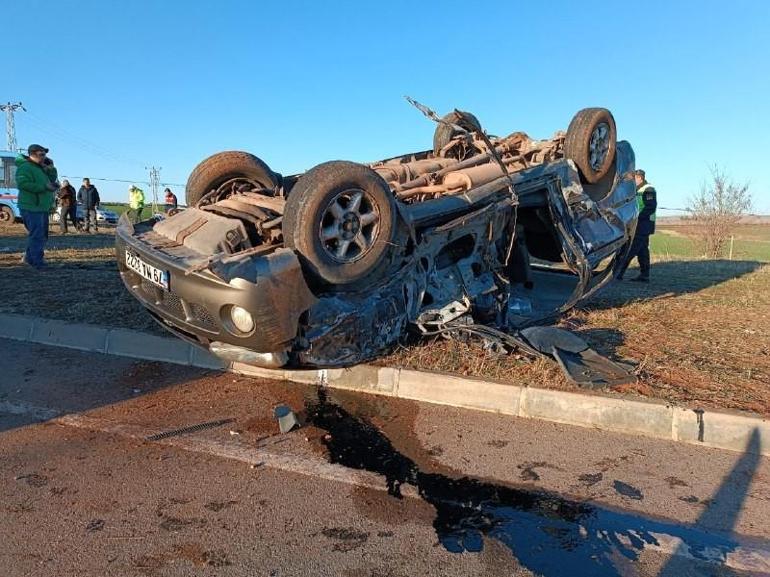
(151,273)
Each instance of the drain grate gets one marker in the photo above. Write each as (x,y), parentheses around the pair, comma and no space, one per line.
(190,429)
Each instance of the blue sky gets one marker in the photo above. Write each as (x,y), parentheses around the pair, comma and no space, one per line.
(112,87)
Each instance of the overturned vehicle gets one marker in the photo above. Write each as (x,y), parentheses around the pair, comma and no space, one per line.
(335,266)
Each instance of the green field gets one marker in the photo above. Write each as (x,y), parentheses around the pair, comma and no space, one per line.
(752,242)
(117,208)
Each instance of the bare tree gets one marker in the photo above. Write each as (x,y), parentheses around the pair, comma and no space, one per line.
(716,209)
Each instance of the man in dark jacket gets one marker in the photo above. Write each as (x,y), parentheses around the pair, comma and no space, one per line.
(88,196)
(68,206)
(647,202)
(35,202)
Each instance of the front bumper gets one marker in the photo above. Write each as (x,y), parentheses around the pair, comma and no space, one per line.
(197,305)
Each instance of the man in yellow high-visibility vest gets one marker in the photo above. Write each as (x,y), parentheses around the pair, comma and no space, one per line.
(646,202)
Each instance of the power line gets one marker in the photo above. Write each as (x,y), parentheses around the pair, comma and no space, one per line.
(10,126)
(122,180)
(59,132)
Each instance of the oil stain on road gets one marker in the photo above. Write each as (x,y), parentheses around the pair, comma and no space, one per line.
(545,532)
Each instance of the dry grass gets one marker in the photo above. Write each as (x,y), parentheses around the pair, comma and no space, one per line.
(81,284)
(699,334)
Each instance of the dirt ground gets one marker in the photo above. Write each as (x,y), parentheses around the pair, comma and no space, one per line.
(81,283)
(698,335)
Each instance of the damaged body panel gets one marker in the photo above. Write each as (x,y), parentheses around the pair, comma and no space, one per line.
(335,266)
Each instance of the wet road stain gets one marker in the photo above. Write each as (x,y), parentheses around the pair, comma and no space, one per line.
(497,444)
(627,490)
(201,557)
(528,472)
(33,480)
(174,524)
(674,482)
(95,525)
(347,538)
(217,506)
(544,531)
(590,479)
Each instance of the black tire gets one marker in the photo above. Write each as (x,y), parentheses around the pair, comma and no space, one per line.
(320,218)
(217,169)
(6,214)
(592,152)
(444,133)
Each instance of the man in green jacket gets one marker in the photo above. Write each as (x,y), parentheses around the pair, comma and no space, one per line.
(35,201)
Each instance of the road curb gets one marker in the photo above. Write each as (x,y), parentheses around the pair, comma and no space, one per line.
(730,430)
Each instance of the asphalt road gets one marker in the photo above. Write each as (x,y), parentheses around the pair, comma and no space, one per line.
(368,486)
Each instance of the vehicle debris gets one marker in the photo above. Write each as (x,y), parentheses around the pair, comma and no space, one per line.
(287,419)
(190,429)
(580,364)
(479,235)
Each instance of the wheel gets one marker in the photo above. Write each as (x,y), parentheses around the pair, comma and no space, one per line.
(340,218)
(444,133)
(590,142)
(217,169)
(6,214)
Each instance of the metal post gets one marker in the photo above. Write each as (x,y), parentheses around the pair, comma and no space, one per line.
(732,239)
(154,185)
(10,126)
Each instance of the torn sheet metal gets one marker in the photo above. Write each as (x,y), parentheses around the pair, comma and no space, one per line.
(581,364)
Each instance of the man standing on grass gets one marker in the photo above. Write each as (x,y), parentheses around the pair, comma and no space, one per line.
(646,202)
(35,202)
(88,196)
(68,206)
(135,203)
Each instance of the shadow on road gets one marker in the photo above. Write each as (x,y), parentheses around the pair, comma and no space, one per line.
(549,535)
(67,381)
(725,506)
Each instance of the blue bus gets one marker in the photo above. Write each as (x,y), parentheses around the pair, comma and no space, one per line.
(9,194)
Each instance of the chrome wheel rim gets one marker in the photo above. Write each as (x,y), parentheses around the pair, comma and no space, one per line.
(599,145)
(350,225)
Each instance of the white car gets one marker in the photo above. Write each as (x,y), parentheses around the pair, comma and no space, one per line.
(102,215)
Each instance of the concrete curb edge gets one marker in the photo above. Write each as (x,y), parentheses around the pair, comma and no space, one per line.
(734,431)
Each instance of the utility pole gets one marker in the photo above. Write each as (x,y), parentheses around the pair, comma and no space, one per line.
(154,185)
(10,127)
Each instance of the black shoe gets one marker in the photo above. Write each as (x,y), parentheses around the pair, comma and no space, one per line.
(641,279)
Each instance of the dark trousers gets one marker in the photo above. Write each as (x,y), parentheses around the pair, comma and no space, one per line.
(71,213)
(640,249)
(36,224)
(91,217)
(135,214)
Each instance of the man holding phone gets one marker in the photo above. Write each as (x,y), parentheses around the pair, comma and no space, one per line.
(36,197)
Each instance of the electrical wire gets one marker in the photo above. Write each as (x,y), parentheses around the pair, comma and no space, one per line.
(59,132)
(136,181)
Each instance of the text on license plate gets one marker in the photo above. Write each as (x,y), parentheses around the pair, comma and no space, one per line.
(151,273)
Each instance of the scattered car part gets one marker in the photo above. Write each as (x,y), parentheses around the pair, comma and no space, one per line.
(190,429)
(287,419)
(581,364)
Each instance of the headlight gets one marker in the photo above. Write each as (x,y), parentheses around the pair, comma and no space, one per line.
(242,319)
